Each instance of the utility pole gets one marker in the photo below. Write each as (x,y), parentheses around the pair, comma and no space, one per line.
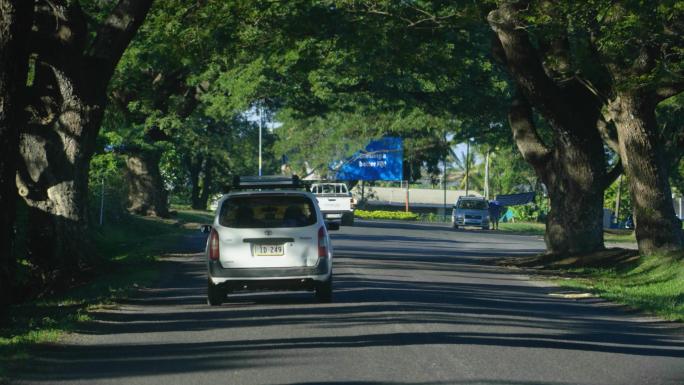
(444,181)
(363,192)
(617,199)
(486,183)
(102,201)
(261,118)
(406,206)
(467,181)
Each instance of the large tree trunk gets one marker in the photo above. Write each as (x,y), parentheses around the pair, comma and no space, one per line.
(66,105)
(56,148)
(573,166)
(575,220)
(206,184)
(146,193)
(201,180)
(644,160)
(15,24)
(195,167)
(54,183)
(573,174)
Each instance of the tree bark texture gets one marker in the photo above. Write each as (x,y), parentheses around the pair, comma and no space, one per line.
(146,193)
(574,221)
(15,23)
(643,155)
(206,183)
(66,104)
(573,166)
(195,166)
(201,180)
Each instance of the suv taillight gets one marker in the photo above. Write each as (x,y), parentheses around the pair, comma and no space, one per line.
(322,247)
(214,252)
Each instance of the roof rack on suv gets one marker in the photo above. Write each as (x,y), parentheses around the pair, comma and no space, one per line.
(268,182)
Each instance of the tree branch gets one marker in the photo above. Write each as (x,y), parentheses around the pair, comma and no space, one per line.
(669,90)
(613,174)
(525,134)
(609,135)
(524,63)
(115,34)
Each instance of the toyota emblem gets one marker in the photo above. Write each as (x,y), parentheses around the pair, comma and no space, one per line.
(268,232)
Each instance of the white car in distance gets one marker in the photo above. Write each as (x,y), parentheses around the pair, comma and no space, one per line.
(268,234)
(470,211)
(336,201)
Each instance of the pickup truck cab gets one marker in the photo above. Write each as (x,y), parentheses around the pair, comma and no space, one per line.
(336,202)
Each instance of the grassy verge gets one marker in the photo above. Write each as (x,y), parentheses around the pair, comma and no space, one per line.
(129,251)
(653,283)
(619,236)
(536,228)
(527,228)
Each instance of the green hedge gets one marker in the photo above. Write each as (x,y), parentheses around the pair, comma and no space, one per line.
(379,214)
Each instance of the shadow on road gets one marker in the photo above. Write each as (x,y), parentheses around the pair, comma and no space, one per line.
(401,287)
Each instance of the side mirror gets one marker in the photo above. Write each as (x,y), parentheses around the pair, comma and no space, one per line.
(332,225)
(205,229)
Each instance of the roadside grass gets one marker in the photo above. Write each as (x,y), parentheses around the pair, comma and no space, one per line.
(523,228)
(191,216)
(653,283)
(536,228)
(526,228)
(129,251)
(619,236)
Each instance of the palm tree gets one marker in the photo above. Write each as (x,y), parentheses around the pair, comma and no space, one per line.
(466,170)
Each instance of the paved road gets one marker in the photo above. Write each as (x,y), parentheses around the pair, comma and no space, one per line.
(415,304)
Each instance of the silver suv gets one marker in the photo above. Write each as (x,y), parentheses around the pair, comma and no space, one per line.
(471,211)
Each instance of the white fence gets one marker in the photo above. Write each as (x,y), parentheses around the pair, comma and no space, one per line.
(397,195)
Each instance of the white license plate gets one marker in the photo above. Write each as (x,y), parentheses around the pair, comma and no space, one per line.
(268,250)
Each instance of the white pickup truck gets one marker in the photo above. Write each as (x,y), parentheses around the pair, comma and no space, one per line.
(335,201)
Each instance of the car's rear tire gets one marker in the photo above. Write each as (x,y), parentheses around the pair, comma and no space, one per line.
(215,294)
(455,226)
(324,290)
(348,219)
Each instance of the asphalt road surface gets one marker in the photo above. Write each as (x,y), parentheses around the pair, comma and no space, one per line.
(414,304)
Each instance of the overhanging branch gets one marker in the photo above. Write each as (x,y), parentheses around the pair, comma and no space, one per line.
(525,133)
(115,33)
(669,90)
(613,174)
(523,61)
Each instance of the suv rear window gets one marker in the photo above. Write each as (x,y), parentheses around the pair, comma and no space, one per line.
(267,212)
(472,204)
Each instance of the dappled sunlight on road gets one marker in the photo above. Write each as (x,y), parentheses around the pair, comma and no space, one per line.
(407,298)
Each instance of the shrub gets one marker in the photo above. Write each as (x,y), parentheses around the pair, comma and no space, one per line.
(379,214)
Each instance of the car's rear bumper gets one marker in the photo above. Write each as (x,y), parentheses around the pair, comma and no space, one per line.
(270,284)
(336,214)
(471,222)
(320,272)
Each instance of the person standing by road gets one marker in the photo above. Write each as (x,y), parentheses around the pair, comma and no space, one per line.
(494,214)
